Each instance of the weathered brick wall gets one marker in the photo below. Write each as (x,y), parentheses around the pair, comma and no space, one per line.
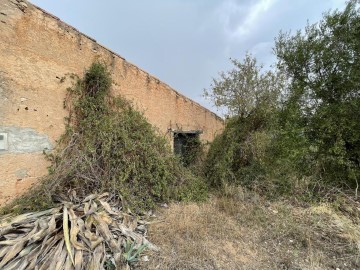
(36,51)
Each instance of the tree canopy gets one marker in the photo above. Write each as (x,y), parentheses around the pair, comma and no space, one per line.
(323,65)
(309,107)
(245,87)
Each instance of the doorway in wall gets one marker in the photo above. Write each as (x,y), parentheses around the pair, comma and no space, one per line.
(187,146)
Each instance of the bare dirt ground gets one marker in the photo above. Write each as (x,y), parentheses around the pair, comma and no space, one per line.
(244,231)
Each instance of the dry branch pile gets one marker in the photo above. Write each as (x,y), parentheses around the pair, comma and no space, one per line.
(91,234)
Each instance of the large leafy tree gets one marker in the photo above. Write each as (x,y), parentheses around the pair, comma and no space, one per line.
(304,127)
(323,103)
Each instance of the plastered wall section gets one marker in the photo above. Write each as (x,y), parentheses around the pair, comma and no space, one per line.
(36,51)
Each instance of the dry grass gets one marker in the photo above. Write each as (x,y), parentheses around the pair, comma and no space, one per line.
(242,231)
(194,236)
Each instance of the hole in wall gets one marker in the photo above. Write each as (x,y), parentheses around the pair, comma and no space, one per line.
(186,146)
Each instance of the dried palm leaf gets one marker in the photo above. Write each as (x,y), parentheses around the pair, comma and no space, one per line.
(81,236)
(66,233)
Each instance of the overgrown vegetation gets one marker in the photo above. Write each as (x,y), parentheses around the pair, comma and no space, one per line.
(323,103)
(110,147)
(294,130)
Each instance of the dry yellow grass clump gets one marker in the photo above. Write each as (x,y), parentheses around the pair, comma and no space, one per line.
(244,231)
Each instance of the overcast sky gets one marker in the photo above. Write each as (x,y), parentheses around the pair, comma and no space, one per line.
(186,43)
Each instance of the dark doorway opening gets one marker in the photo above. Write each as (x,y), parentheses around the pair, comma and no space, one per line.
(187,146)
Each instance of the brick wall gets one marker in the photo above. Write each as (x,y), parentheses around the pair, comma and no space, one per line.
(36,51)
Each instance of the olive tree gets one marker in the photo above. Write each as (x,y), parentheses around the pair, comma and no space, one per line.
(245,87)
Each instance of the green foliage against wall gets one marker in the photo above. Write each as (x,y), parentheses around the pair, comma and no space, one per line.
(110,147)
(240,154)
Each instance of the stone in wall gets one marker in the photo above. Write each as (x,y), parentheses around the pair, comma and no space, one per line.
(22,140)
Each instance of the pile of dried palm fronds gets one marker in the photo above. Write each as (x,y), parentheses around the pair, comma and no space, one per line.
(92,234)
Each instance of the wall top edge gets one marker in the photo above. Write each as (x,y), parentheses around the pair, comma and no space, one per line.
(46,13)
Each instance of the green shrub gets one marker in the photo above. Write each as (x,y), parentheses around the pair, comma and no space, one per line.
(238,155)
